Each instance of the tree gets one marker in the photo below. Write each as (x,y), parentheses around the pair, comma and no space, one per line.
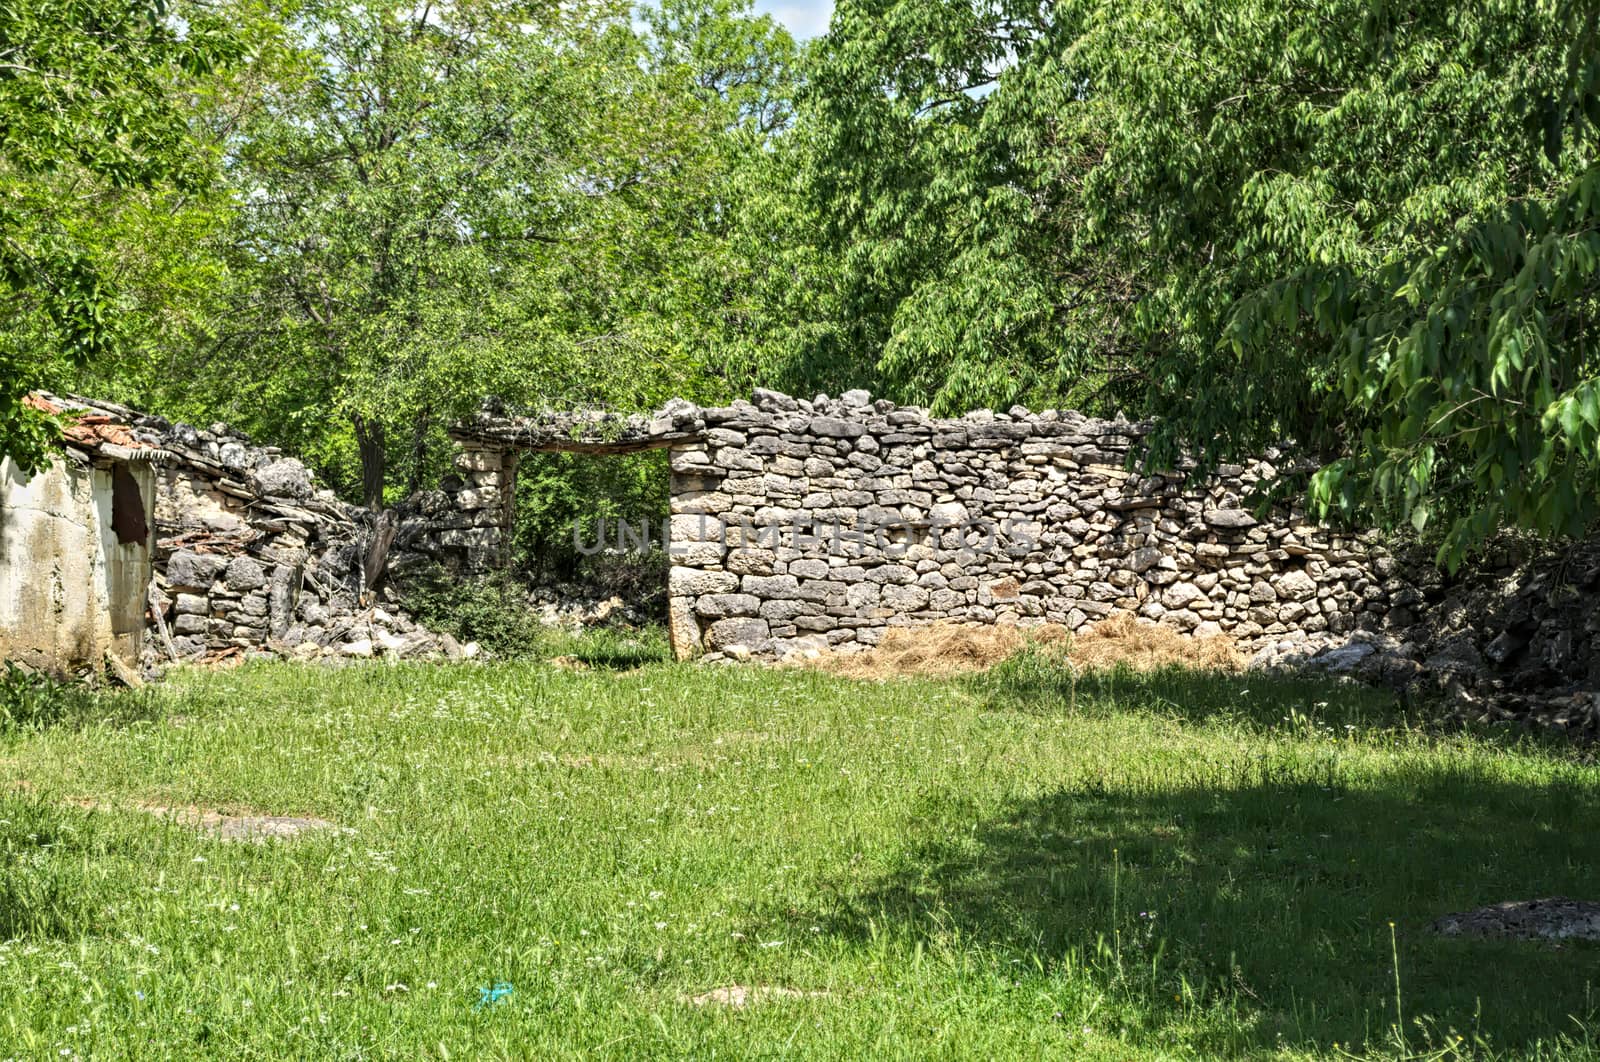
(93,122)
(399,184)
(435,204)
(1202,211)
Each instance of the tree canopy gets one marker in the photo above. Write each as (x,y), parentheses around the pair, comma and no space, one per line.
(94,123)
(1319,221)
(1366,228)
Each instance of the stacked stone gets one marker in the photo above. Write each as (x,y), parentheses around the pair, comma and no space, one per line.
(251,558)
(1014,517)
(465,524)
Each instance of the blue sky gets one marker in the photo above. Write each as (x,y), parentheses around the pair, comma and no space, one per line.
(804,18)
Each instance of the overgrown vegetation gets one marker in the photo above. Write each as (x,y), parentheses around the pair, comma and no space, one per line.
(339,226)
(32,700)
(494,611)
(569,508)
(490,610)
(1176,864)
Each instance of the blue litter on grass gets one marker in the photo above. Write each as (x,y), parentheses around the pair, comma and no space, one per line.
(488,997)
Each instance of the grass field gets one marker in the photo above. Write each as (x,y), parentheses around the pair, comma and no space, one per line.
(1014,866)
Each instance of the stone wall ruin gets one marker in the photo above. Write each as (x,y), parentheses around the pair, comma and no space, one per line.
(251,557)
(818,524)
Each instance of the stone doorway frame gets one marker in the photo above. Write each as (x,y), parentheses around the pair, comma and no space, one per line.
(491,443)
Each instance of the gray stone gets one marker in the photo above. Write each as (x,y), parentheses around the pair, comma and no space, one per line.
(197,570)
(191,605)
(1230,519)
(245,573)
(287,478)
(719,605)
(833,427)
(1296,585)
(750,633)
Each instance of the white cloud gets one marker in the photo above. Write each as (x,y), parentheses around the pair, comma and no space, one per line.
(804,18)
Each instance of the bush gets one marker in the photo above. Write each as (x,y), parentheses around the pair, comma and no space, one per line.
(491,610)
(32,700)
(555,492)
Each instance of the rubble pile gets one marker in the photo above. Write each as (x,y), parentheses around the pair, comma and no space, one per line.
(253,559)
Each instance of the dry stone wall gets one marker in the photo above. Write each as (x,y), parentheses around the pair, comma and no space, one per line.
(809,524)
(252,557)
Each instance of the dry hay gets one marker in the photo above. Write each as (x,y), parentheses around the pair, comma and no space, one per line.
(941,649)
(1122,639)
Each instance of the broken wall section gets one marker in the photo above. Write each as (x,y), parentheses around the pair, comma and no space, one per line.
(72,588)
(253,558)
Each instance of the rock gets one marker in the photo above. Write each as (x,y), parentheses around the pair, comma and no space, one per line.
(1230,519)
(1182,595)
(1144,559)
(287,478)
(1295,585)
(719,605)
(1344,658)
(195,570)
(191,605)
(245,573)
(1556,918)
(689,582)
(1504,647)
(389,643)
(743,631)
(360,648)
(833,427)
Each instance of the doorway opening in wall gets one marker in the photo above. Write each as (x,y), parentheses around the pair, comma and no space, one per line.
(593,525)
(586,556)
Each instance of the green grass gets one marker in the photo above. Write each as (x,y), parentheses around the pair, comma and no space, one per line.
(1180,865)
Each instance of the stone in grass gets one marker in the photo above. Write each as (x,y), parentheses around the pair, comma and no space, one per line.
(255,829)
(742,996)
(1554,918)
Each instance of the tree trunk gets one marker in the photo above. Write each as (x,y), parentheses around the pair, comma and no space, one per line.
(419,453)
(369,438)
(376,561)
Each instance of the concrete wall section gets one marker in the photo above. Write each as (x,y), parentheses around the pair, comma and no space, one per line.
(70,592)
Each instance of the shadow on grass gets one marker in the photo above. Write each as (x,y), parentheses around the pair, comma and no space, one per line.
(1038,684)
(1267,880)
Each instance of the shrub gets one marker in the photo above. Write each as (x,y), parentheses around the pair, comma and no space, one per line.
(490,610)
(33,700)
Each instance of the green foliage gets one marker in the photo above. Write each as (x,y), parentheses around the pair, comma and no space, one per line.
(490,610)
(563,498)
(44,850)
(32,700)
(1328,221)
(1472,364)
(94,121)
(429,206)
